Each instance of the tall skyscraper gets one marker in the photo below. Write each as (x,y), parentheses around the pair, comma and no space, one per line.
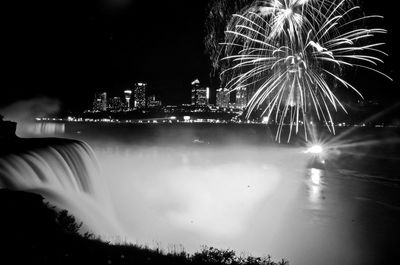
(241,98)
(128,95)
(223,98)
(195,87)
(200,95)
(140,95)
(100,102)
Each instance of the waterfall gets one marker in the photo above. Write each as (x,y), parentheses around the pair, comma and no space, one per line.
(66,174)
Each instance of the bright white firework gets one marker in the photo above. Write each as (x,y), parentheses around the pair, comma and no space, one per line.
(291,50)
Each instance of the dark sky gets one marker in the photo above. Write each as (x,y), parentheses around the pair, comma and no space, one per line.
(68,49)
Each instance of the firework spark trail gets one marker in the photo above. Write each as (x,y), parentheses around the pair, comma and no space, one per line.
(291,50)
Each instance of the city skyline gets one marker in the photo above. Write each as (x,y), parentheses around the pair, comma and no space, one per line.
(138,96)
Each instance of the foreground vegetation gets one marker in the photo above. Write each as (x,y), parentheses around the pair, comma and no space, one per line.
(33,232)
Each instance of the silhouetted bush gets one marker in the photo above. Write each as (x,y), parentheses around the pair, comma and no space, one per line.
(69,225)
(211,255)
(215,256)
(68,222)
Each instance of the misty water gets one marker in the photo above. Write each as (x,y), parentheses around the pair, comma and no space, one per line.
(233,187)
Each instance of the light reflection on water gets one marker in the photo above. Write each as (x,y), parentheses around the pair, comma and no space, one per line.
(316,176)
(315,187)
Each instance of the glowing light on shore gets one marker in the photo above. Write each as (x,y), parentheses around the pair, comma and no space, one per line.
(315,149)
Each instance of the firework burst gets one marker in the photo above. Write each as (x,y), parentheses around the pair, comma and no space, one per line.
(292,50)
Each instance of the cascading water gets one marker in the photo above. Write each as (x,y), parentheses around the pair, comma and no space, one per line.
(67,175)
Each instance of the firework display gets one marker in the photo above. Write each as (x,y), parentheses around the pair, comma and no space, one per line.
(293,51)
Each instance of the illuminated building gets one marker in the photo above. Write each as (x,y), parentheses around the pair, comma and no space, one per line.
(241,98)
(140,95)
(116,104)
(223,98)
(100,102)
(200,95)
(195,87)
(152,102)
(128,95)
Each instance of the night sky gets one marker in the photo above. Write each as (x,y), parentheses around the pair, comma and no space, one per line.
(67,50)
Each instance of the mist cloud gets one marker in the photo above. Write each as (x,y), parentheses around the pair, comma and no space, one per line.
(25,111)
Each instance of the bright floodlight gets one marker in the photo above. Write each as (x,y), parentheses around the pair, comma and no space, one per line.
(315,149)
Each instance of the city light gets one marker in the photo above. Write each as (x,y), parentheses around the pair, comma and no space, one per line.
(315,150)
